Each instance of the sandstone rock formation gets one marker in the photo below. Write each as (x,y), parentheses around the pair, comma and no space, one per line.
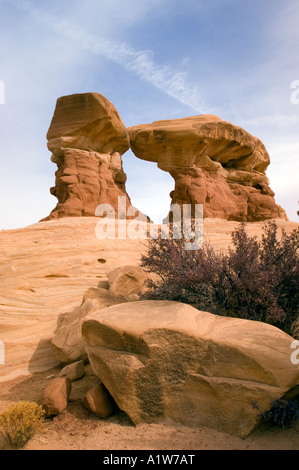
(67,344)
(87,138)
(124,284)
(213,163)
(73,371)
(162,360)
(46,268)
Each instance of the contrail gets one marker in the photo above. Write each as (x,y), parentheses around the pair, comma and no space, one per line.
(141,63)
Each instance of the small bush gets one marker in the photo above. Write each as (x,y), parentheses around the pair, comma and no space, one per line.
(20,422)
(256,279)
(283,413)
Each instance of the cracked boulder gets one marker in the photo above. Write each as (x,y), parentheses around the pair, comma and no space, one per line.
(163,360)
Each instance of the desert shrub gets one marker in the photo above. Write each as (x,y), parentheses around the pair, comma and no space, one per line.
(256,279)
(20,422)
(283,413)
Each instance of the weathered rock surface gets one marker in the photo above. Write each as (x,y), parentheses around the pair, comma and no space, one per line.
(124,283)
(87,138)
(128,281)
(213,163)
(73,371)
(56,396)
(67,343)
(45,269)
(99,402)
(162,360)
(87,121)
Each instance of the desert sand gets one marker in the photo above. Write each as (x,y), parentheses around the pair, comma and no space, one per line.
(77,429)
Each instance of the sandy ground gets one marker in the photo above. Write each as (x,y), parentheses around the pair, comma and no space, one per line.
(77,429)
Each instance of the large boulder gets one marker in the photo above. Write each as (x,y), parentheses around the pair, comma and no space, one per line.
(67,343)
(87,138)
(165,360)
(213,163)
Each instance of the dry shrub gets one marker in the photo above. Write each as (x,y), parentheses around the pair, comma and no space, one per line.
(295,329)
(256,279)
(20,422)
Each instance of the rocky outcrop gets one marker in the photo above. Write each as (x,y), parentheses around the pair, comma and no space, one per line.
(213,163)
(87,138)
(67,344)
(125,283)
(166,360)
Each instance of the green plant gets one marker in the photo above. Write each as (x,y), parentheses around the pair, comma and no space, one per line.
(20,422)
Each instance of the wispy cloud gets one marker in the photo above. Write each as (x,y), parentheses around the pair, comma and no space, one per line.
(140,62)
(272,120)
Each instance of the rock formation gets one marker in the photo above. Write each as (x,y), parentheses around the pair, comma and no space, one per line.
(125,283)
(67,344)
(213,163)
(165,360)
(87,138)
(99,402)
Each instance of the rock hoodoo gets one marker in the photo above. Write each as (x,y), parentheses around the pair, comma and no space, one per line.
(213,163)
(87,138)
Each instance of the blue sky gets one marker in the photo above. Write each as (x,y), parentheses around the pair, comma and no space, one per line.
(153,59)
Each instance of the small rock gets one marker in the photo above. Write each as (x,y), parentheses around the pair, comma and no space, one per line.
(56,396)
(73,371)
(99,401)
